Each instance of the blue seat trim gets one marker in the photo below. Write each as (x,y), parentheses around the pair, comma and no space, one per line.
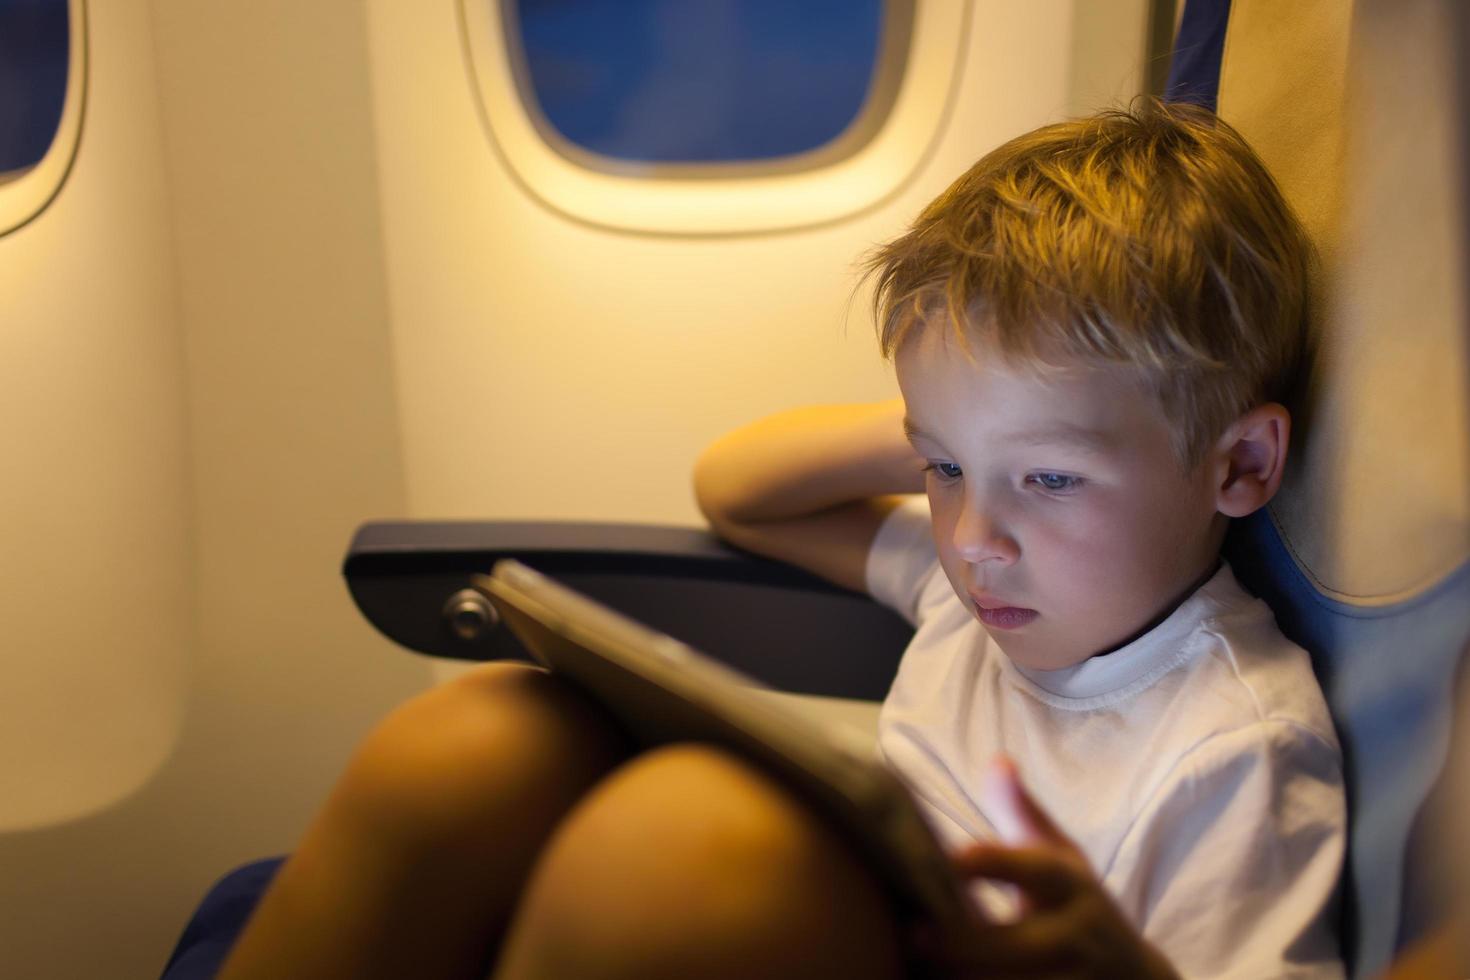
(1388,673)
(1387,670)
(1194,68)
(218,921)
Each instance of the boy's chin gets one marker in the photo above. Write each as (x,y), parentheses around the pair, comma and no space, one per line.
(1034,653)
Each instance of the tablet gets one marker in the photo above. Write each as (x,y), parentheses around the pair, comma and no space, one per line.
(664,691)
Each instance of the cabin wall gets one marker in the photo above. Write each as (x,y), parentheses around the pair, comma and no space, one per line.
(551,369)
(288,288)
(96,527)
(198,375)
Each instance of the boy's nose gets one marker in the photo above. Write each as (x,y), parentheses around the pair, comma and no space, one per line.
(979,536)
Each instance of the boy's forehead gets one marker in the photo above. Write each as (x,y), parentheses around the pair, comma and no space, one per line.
(974,337)
(937,356)
(1097,440)
(1087,406)
(939,342)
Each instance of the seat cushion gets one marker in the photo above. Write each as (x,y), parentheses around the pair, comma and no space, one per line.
(211,933)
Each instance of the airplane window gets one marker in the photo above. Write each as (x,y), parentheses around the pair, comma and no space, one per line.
(42,87)
(35,45)
(698,82)
(712,117)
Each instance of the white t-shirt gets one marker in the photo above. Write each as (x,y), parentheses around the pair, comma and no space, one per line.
(1197,766)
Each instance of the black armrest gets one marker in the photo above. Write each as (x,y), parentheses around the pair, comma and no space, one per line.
(774,622)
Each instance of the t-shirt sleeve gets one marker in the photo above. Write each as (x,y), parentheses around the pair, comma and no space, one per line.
(1232,870)
(902,558)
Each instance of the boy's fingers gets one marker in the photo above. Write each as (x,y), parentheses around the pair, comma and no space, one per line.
(1040,946)
(1017,817)
(1045,875)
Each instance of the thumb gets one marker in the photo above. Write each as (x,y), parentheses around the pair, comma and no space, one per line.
(1019,820)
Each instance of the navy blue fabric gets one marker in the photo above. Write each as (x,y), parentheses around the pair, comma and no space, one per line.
(1194,68)
(211,933)
(1388,672)
(1431,886)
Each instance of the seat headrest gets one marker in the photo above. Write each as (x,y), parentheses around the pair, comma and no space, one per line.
(1356,107)
(1353,107)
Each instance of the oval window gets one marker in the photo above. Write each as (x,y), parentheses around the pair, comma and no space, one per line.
(699,81)
(713,117)
(34,50)
(41,74)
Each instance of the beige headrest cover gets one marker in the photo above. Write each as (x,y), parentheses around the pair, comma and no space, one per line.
(1354,108)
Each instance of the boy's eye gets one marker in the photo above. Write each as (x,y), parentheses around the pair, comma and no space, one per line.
(945,471)
(1055,482)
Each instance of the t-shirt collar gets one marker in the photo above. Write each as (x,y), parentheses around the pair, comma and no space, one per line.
(1155,652)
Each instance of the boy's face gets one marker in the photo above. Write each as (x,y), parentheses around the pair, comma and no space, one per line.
(1062,517)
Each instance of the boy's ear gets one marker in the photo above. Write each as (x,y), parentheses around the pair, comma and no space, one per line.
(1250,458)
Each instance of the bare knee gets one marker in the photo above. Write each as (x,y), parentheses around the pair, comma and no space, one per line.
(416,862)
(689,862)
(501,746)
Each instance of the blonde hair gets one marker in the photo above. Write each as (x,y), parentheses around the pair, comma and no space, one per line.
(1151,237)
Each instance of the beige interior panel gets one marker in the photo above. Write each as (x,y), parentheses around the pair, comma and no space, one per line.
(95,591)
(198,411)
(1333,96)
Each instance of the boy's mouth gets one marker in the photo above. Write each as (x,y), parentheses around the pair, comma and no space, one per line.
(994,613)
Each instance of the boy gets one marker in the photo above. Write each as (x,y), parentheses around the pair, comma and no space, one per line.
(1091,331)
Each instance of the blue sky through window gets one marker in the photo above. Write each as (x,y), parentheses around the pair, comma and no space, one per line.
(700,81)
(35,47)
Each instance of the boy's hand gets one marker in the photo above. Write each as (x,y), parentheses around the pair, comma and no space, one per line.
(1068,927)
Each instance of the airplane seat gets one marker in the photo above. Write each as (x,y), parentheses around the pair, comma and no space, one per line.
(1365,553)
(1364,556)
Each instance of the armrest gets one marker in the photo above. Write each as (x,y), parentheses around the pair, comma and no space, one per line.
(782,626)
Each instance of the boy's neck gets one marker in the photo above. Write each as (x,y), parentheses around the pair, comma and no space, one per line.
(1167,611)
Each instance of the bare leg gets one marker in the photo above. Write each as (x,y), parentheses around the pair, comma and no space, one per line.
(688,863)
(414,865)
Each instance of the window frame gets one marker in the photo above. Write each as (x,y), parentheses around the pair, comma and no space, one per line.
(872,160)
(26,194)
